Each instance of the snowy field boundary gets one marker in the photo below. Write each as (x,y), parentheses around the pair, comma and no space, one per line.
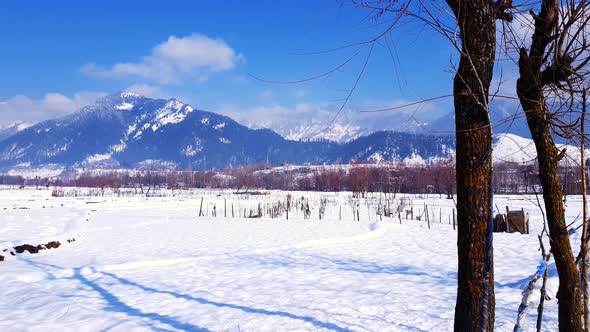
(376,231)
(72,232)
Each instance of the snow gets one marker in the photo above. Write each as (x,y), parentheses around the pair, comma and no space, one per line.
(311,168)
(16,152)
(224,140)
(124,106)
(155,164)
(129,95)
(415,160)
(191,150)
(131,129)
(151,263)
(57,149)
(98,157)
(54,225)
(16,126)
(337,132)
(27,171)
(173,112)
(377,157)
(516,149)
(117,148)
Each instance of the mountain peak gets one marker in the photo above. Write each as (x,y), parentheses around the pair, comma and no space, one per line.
(121,101)
(130,95)
(121,96)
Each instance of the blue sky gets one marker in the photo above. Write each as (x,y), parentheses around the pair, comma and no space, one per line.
(60,55)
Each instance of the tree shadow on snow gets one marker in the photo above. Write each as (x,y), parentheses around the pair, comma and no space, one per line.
(349,265)
(114,304)
(200,300)
(524,282)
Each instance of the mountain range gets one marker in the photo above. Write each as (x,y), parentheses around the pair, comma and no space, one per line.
(127,130)
(313,122)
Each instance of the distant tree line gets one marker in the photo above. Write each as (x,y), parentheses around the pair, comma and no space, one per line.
(435,178)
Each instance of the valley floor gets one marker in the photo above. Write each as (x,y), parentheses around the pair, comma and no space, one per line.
(153,264)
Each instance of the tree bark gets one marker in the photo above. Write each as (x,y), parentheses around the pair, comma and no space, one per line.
(530,92)
(474,310)
(584,245)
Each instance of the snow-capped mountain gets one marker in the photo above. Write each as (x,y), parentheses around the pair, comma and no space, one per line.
(310,122)
(129,130)
(307,122)
(520,150)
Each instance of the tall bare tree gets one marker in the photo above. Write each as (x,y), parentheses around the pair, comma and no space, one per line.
(475,21)
(551,69)
(474,309)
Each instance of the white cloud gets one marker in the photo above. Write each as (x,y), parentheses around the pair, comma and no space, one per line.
(266,115)
(146,90)
(176,59)
(52,105)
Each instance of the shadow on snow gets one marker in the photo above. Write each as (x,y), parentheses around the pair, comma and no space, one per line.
(114,304)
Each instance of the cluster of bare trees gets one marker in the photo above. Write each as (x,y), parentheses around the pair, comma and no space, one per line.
(437,178)
(515,178)
(12,180)
(552,61)
(139,179)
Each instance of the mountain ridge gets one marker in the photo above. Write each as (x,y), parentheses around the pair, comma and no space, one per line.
(124,130)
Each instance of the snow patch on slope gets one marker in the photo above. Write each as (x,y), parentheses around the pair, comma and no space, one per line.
(172,113)
(98,157)
(45,171)
(192,150)
(124,106)
(414,160)
(337,132)
(129,95)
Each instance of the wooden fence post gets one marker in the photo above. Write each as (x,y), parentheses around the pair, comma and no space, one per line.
(201,208)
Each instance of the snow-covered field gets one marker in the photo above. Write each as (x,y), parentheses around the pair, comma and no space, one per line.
(153,264)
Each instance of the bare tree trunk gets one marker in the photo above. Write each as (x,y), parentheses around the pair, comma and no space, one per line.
(530,92)
(570,306)
(584,245)
(474,310)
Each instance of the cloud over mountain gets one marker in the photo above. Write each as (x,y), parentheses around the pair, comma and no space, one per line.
(178,58)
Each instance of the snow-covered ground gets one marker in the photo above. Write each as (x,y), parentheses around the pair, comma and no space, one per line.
(153,264)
